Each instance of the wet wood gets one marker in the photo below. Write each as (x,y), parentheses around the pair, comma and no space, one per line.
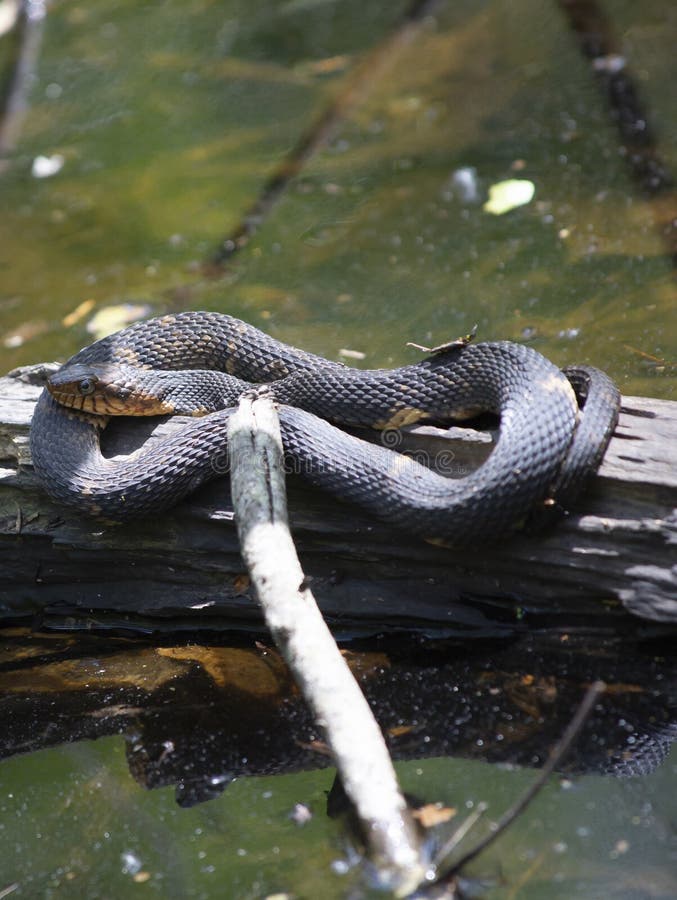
(614,556)
(339,707)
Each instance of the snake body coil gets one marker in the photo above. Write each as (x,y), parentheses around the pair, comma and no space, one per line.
(547,446)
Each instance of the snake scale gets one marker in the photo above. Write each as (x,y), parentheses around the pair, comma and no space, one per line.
(551,438)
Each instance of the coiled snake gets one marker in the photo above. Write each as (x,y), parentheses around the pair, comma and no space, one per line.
(549,441)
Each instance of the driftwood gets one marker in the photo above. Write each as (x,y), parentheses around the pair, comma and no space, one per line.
(615,555)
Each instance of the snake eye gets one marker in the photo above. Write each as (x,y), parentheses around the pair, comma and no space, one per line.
(87,386)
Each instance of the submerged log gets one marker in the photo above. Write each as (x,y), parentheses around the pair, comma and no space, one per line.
(615,555)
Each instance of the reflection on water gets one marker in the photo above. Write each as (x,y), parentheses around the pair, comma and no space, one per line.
(197,717)
(199,711)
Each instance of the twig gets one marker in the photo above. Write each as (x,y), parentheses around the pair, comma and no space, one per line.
(462,830)
(301,635)
(557,753)
(656,363)
(366,76)
(33,13)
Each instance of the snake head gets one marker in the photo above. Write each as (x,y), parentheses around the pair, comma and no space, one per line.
(105,390)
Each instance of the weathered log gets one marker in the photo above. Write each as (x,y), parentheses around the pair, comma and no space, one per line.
(615,555)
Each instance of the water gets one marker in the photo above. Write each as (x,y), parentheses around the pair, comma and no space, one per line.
(168,121)
(179,765)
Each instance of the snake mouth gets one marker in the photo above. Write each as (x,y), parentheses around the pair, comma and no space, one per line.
(82,404)
(94,390)
(100,405)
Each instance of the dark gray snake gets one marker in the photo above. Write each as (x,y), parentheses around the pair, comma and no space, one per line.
(549,443)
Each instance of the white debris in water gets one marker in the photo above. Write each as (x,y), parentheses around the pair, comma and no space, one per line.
(35,10)
(9,14)
(507,195)
(301,814)
(464,184)
(131,864)
(351,354)
(340,867)
(53,91)
(46,166)
(611,63)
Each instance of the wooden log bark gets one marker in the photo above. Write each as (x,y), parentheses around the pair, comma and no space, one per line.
(613,556)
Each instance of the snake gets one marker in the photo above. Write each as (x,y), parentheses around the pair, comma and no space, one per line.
(554,425)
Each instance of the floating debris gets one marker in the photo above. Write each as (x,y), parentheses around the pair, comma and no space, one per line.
(462,341)
(301,814)
(340,867)
(611,63)
(569,333)
(432,814)
(507,195)
(131,864)
(464,185)
(83,309)
(113,318)
(53,91)
(46,166)
(23,333)
(352,354)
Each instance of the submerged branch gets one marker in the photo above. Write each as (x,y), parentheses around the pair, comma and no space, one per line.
(368,74)
(557,754)
(15,103)
(638,139)
(301,635)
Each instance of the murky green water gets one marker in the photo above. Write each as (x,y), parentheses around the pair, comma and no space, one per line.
(148,807)
(169,119)
(81,828)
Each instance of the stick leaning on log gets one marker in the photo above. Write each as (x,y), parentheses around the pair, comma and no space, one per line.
(305,642)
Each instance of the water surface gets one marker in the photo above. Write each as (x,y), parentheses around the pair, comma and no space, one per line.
(169,120)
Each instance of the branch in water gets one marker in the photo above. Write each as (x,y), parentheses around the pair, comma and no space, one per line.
(301,635)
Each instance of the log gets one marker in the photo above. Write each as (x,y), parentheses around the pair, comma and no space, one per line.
(610,564)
